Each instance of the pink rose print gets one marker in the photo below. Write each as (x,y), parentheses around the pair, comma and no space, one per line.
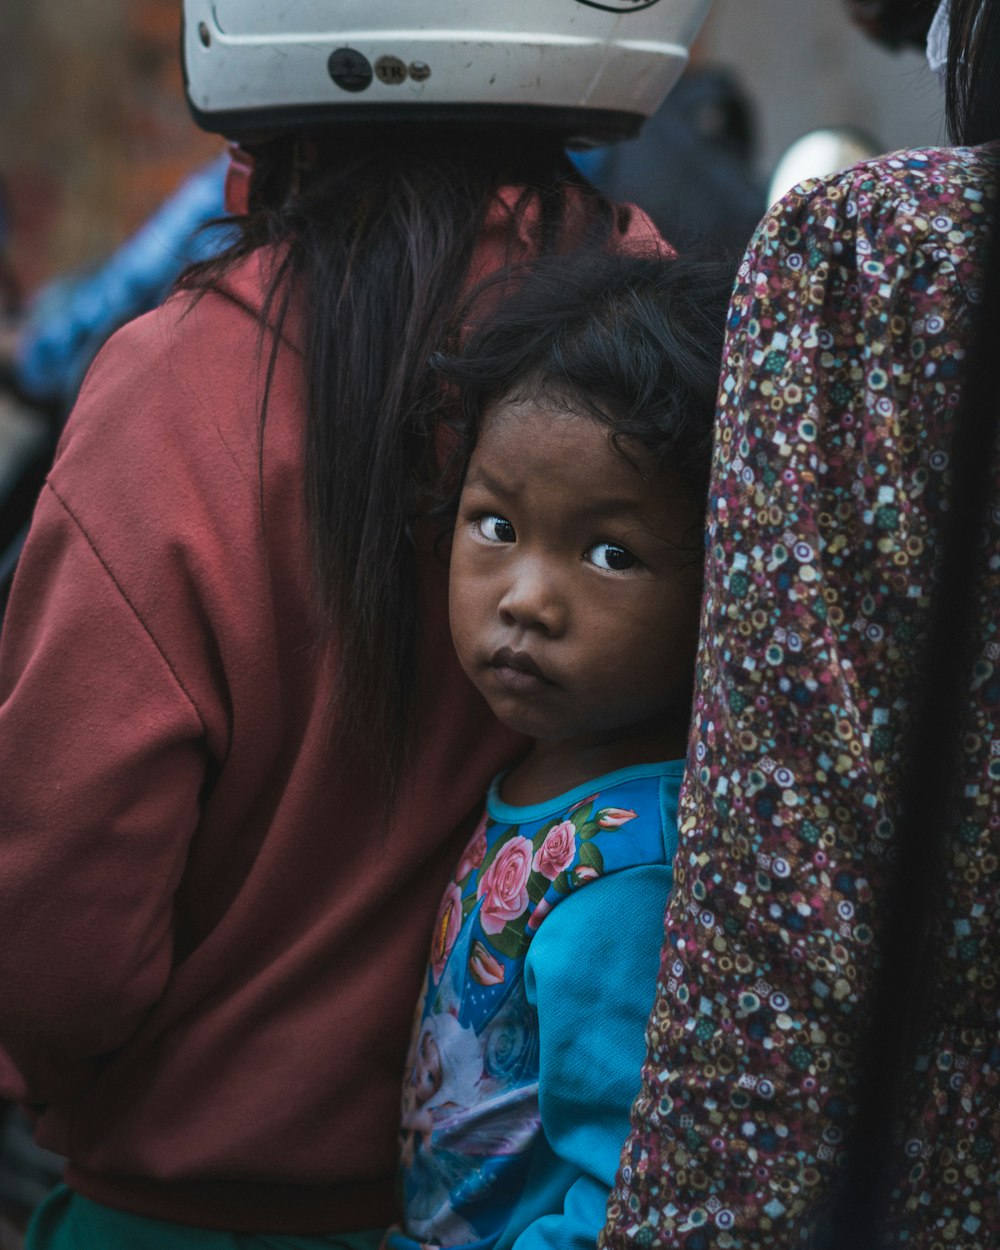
(446,927)
(586,873)
(556,853)
(474,853)
(486,968)
(583,802)
(538,915)
(614,817)
(503,886)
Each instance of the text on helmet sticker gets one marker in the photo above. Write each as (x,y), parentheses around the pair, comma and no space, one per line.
(622,6)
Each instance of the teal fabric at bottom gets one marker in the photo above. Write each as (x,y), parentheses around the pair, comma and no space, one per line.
(67,1221)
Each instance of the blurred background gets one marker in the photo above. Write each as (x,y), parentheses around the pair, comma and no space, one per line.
(94,132)
(103,179)
(806,64)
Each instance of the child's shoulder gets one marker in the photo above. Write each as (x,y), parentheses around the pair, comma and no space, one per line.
(620,820)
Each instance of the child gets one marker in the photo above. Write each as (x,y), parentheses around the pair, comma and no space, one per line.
(587,406)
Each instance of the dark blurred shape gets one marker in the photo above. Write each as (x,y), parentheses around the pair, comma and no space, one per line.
(27,1174)
(10,287)
(691,168)
(894,23)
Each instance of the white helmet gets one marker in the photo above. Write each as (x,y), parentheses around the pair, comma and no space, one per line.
(592,69)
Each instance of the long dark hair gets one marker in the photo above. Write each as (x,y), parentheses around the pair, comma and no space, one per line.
(376,232)
(972,87)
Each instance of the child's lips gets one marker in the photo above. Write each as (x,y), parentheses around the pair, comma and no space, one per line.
(517,671)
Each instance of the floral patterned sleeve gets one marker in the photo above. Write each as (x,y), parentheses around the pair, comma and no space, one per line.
(849,321)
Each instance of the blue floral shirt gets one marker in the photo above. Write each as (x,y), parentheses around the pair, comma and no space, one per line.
(529,1035)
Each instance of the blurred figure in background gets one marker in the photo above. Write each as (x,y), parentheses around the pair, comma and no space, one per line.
(66,322)
(895,23)
(692,168)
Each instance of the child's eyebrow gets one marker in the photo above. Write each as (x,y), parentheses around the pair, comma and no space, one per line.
(598,509)
(482,477)
(613,505)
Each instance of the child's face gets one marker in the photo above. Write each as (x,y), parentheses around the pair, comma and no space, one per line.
(574,586)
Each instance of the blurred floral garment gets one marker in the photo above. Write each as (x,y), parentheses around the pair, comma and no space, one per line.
(852,314)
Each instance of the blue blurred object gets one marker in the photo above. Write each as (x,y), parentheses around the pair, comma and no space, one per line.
(68,320)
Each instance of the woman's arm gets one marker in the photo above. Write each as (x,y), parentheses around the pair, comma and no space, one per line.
(113,698)
(847,328)
(102,759)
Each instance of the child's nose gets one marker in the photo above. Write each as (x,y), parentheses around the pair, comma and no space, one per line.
(533,598)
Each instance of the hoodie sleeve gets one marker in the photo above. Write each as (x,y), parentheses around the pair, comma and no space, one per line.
(102,757)
(138,594)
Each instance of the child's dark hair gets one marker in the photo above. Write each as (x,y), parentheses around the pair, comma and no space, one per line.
(634,341)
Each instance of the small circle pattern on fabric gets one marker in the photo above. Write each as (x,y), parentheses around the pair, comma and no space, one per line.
(850,322)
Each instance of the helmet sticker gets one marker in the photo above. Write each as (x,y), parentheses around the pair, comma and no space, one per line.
(391,70)
(622,6)
(350,70)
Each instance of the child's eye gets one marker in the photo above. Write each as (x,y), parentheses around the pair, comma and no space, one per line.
(496,529)
(610,556)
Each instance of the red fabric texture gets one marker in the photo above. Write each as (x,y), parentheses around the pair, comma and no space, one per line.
(212,945)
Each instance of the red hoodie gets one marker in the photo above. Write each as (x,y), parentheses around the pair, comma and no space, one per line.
(211,945)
